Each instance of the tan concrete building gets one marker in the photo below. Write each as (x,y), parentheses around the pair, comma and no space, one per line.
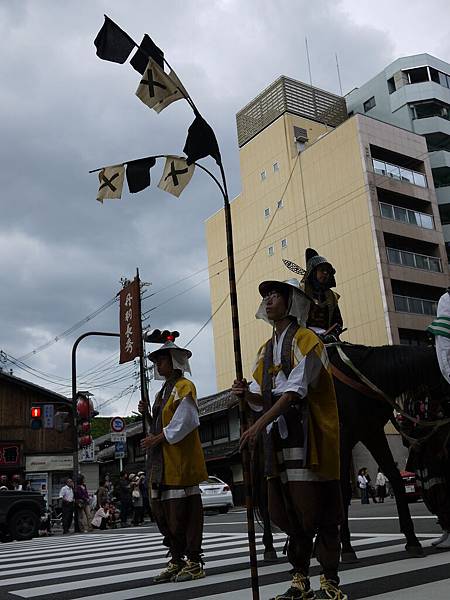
(358,190)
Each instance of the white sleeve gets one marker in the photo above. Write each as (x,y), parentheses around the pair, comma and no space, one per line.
(255,388)
(184,421)
(303,375)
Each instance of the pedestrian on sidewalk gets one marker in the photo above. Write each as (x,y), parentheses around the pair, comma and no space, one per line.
(380,482)
(82,502)
(124,495)
(101,494)
(371,493)
(101,516)
(66,494)
(293,391)
(177,465)
(138,501)
(362,485)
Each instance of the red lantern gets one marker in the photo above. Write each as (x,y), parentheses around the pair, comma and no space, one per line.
(85,427)
(83,408)
(85,440)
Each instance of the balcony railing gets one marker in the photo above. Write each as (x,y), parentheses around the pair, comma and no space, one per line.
(406,215)
(399,173)
(417,306)
(416,261)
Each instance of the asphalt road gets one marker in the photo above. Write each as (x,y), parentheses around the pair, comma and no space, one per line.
(119,564)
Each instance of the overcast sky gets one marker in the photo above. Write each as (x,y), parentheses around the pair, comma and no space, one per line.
(63,111)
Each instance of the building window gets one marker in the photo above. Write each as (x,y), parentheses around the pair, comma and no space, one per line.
(280,203)
(284,243)
(263,175)
(368,104)
(417,75)
(266,213)
(391,85)
(276,167)
(270,251)
(220,428)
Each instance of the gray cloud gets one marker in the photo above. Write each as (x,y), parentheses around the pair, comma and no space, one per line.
(64,111)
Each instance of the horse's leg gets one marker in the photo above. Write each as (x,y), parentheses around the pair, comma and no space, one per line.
(348,555)
(376,442)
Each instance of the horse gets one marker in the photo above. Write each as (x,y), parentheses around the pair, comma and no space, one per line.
(377,376)
(398,372)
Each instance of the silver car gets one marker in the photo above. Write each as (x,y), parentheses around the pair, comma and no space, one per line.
(216,494)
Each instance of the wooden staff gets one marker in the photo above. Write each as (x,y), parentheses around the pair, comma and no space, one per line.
(239,376)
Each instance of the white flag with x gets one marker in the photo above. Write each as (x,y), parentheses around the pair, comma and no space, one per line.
(177,174)
(111,182)
(156,87)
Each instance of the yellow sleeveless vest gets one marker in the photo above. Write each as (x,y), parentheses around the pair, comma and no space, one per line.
(323,425)
(184,462)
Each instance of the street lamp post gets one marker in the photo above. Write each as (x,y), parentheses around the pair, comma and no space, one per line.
(74,394)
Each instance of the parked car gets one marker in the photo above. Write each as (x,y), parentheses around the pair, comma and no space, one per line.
(216,494)
(412,490)
(20,514)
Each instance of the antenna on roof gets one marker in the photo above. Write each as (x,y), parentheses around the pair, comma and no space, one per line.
(310,78)
(338,72)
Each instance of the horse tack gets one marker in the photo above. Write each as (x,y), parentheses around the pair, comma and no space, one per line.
(368,388)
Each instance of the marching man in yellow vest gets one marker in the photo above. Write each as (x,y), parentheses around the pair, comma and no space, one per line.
(177,465)
(293,390)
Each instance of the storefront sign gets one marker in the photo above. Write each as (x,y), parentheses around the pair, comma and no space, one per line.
(48,421)
(87,453)
(130,322)
(63,462)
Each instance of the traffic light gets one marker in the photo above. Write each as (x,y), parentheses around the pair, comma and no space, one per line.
(156,336)
(36,417)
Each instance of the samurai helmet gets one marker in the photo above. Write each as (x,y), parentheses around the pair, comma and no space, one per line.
(313,260)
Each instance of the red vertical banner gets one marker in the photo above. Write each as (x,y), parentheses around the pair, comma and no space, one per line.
(130,322)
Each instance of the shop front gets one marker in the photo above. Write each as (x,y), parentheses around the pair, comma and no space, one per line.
(48,473)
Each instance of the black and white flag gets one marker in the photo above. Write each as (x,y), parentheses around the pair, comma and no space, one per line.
(111,182)
(157,89)
(113,43)
(138,173)
(177,174)
(178,94)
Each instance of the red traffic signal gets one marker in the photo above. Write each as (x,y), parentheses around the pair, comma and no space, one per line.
(36,417)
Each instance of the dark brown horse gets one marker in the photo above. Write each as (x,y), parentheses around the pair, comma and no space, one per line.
(399,372)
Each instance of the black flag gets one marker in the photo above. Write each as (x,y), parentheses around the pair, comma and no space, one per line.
(138,173)
(201,141)
(113,43)
(147,49)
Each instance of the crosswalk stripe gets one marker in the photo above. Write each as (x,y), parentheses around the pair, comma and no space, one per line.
(145,574)
(99,544)
(120,567)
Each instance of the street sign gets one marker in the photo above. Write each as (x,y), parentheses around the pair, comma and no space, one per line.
(48,420)
(118,437)
(117,424)
(119,450)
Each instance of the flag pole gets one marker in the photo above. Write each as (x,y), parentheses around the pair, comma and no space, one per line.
(143,381)
(239,376)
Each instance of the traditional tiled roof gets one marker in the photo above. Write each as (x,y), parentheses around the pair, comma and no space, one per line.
(216,403)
